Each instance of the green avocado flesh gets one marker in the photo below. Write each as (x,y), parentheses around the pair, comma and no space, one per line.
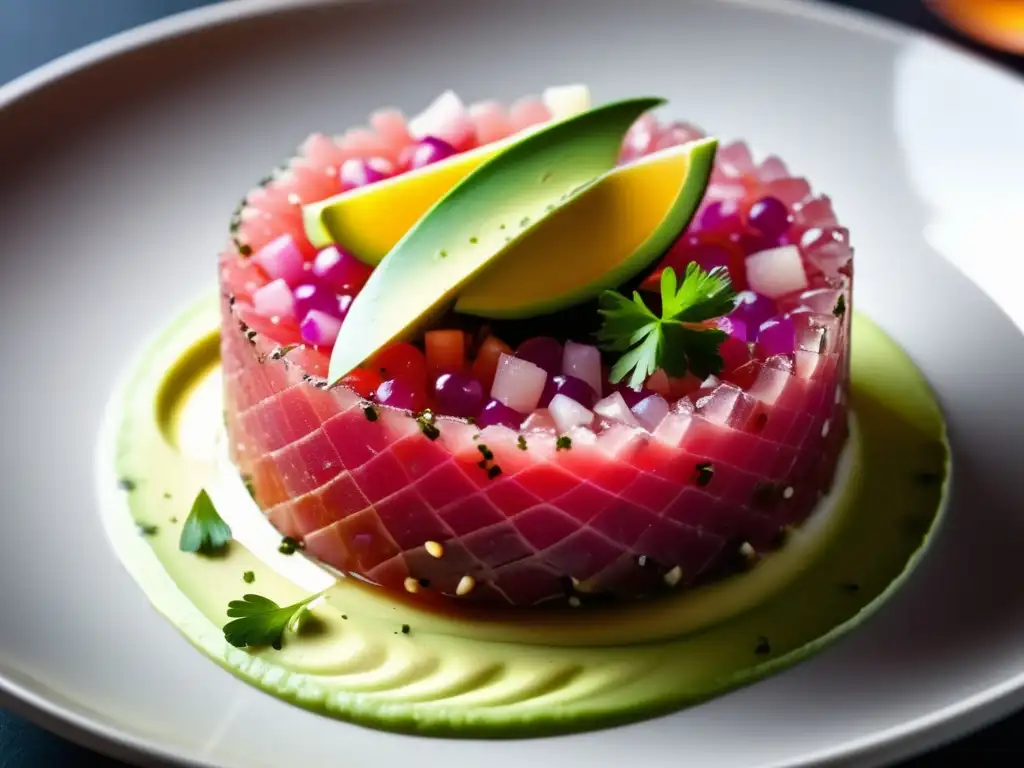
(475,223)
(367,658)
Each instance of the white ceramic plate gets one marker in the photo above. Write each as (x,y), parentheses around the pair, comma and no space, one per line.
(121,164)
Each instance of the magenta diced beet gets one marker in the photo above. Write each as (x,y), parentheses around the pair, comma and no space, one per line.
(340,271)
(544,352)
(769,216)
(720,216)
(776,337)
(734,326)
(429,150)
(496,412)
(281,258)
(752,309)
(569,386)
(458,394)
(310,296)
(400,393)
(359,172)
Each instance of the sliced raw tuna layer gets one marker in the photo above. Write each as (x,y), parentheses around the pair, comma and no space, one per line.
(441,506)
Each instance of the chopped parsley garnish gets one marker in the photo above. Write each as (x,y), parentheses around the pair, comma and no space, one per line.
(126,484)
(146,529)
(427,425)
(679,341)
(486,452)
(259,621)
(204,530)
(521,443)
(840,308)
(248,577)
(288,546)
(563,443)
(244,249)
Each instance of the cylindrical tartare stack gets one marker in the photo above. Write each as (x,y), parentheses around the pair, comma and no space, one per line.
(673,485)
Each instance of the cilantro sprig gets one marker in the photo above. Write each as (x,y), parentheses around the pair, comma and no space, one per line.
(204,530)
(259,621)
(679,340)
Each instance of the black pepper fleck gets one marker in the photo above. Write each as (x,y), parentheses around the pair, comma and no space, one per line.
(704,472)
(850,587)
(127,484)
(493,472)
(371,413)
(406,629)
(927,478)
(146,529)
(840,308)
(245,249)
(288,546)
(763,647)
(425,583)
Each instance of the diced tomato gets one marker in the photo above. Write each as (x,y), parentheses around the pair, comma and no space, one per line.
(486,363)
(363,382)
(401,361)
(446,351)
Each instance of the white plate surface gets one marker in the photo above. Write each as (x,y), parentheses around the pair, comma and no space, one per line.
(121,164)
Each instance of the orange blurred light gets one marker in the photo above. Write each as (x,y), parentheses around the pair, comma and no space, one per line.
(999,23)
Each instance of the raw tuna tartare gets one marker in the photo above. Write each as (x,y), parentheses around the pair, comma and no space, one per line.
(652,426)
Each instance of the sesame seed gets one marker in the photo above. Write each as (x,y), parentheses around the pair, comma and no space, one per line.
(434,549)
(466,585)
(642,560)
(747,550)
(412,586)
(575,602)
(674,576)
(787,492)
(824,428)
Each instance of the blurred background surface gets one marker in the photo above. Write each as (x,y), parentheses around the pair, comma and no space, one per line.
(33,32)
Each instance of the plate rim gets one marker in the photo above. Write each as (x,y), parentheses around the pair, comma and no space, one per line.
(897,742)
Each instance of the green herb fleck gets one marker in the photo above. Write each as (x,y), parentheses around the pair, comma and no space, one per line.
(146,529)
(474,240)
(443,254)
(521,443)
(288,546)
(172,520)
(167,495)
(427,426)
(525,221)
(371,413)
(204,530)
(127,484)
(247,482)
(763,647)
(680,340)
(248,577)
(840,308)
(563,443)
(344,616)
(493,472)
(259,621)
(485,452)
(245,249)
(501,226)
(704,472)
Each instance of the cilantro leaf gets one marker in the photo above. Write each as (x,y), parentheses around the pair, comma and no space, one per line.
(204,530)
(676,341)
(259,621)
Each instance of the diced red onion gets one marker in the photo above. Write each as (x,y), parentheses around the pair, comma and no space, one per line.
(734,326)
(319,328)
(776,272)
(360,172)
(496,412)
(429,150)
(281,258)
(274,300)
(776,337)
(518,383)
(632,396)
(568,413)
(340,271)
(650,411)
(752,309)
(544,352)
(584,362)
(615,408)
(446,118)
(458,394)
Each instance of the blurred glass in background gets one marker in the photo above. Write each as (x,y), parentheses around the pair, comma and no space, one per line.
(998,23)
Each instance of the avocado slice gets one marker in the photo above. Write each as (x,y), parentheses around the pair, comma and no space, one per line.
(476,222)
(605,234)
